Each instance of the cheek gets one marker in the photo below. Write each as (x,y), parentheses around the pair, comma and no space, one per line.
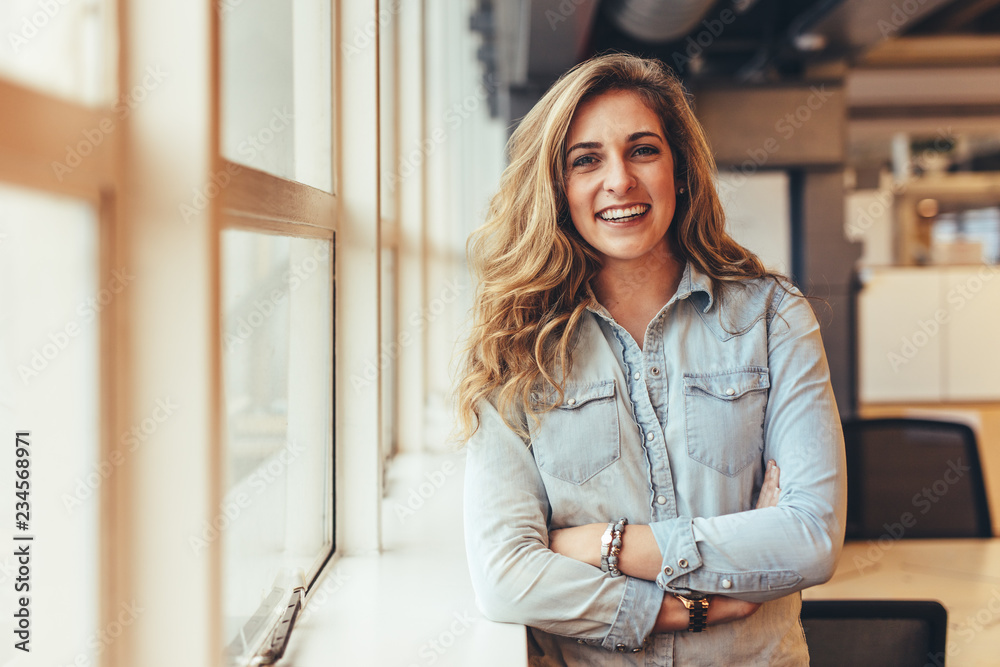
(578,199)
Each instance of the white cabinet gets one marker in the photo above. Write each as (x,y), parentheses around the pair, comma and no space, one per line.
(929,334)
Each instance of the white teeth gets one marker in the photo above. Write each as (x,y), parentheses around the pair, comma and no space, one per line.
(619,213)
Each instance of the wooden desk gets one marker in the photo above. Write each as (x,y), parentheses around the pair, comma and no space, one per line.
(964,575)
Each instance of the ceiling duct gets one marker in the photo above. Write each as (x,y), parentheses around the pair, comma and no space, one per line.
(657,20)
(850,27)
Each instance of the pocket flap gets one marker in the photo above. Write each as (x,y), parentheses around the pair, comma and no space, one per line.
(728,385)
(580,393)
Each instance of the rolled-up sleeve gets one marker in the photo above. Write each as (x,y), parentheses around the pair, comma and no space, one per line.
(517,578)
(760,555)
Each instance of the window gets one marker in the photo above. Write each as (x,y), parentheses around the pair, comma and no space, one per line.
(967,236)
(276,88)
(276,519)
(58,290)
(49,386)
(61,48)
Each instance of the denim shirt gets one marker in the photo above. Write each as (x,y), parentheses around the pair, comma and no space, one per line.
(674,435)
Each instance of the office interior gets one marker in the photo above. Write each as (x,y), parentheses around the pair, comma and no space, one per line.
(234,289)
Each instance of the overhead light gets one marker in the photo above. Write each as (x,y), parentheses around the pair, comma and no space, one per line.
(927,208)
(810,42)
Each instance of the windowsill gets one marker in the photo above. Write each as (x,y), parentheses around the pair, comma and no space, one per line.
(413,605)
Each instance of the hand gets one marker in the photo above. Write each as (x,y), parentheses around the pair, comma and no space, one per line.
(674,616)
(769,490)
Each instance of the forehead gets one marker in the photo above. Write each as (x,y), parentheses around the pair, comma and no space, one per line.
(614,114)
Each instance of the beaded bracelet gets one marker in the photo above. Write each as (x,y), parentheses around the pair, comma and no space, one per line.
(617,536)
(606,546)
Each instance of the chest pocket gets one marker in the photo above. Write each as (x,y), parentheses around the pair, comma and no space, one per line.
(579,438)
(724,415)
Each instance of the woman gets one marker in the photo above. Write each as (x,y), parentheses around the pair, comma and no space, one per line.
(630,360)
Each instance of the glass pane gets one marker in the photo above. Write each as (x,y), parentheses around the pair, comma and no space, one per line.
(276,87)
(59,47)
(50,296)
(970,236)
(276,519)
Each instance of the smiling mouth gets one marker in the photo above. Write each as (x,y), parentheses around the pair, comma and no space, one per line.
(624,214)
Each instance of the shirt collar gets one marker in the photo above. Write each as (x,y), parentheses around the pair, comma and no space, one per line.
(692,281)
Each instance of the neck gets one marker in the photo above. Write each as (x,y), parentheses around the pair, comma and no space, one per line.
(644,284)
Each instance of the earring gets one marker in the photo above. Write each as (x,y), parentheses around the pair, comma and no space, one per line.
(681,190)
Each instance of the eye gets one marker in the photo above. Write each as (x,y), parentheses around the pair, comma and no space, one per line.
(646,150)
(584,161)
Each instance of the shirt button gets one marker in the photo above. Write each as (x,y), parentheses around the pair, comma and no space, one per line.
(650,436)
(580,641)
(730,391)
(661,500)
(668,570)
(682,563)
(571,401)
(654,371)
(620,647)
(726,583)
(636,375)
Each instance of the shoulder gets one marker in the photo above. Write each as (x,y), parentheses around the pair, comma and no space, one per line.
(739,305)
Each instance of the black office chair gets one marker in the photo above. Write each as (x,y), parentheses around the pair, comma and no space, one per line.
(914,478)
(875,633)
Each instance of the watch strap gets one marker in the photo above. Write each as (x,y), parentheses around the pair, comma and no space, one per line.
(697,606)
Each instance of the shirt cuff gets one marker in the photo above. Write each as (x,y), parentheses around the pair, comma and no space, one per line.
(675,537)
(636,616)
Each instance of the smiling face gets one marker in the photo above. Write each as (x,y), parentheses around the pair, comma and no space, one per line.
(619,177)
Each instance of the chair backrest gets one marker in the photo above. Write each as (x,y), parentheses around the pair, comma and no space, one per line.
(914,478)
(875,633)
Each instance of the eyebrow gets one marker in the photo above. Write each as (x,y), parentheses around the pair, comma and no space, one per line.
(635,136)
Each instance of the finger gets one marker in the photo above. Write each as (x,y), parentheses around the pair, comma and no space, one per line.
(769,490)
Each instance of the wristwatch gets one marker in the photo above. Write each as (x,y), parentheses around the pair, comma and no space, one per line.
(697,606)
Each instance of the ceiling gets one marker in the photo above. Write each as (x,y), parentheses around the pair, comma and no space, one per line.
(527,44)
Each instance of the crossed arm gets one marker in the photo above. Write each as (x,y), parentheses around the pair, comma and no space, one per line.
(640,557)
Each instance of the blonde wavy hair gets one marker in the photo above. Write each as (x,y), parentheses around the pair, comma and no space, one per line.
(532,266)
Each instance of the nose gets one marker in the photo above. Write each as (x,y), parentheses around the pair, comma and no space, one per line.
(619,179)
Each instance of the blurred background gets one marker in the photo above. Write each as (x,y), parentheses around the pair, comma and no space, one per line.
(233,279)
